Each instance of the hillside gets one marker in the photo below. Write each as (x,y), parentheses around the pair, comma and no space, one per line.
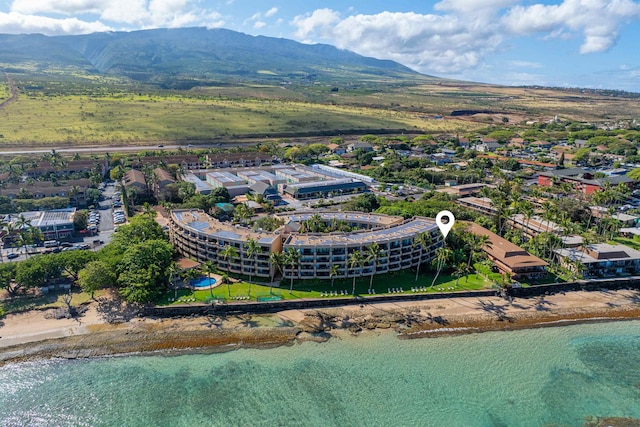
(187,57)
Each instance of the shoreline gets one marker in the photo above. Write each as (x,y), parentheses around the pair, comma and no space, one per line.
(31,336)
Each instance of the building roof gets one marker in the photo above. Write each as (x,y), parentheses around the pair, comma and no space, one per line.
(46,218)
(574,172)
(406,230)
(163,176)
(333,185)
(134,177)
(600,252)
(507,253)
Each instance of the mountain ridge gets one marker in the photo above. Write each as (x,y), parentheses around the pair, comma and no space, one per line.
(198,53)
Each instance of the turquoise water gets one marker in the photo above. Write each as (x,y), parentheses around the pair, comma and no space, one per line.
(202,282)
(554,376)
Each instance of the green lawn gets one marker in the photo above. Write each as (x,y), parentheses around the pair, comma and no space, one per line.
(313,288)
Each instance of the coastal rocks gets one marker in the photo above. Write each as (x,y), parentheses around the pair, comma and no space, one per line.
(611,422)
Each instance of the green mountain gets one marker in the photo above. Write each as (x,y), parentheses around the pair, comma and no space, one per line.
(191,56)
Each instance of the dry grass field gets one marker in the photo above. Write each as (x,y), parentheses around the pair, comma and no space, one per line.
(85,110)
(45,120)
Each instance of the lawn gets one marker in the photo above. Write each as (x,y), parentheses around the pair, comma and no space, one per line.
(314,288)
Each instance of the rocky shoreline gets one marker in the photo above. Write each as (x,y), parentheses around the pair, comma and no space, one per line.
(408,320)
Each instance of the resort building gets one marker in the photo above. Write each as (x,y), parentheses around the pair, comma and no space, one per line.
(291,175)
(483,205)
(235,160)
(511,260)
(324,189)
(257,175)
(600,259)
(231,182)
(196,235)
(133,178)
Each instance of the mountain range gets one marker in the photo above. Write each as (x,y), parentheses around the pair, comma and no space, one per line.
(196,56)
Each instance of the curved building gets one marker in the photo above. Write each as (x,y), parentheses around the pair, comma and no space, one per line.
(196,235)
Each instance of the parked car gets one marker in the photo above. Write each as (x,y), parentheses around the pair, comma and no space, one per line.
(12,255)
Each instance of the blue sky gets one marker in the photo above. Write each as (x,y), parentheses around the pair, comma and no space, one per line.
(575,43)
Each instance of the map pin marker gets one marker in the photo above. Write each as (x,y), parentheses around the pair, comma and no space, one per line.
(444,221)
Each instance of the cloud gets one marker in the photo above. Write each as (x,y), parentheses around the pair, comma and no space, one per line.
(269,13)
(428,43)
(17,23)
(259,24)
(133,13)
(599,21)
(525,64)
(466,31)
(319,19)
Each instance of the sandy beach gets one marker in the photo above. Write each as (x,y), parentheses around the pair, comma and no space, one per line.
(33,334)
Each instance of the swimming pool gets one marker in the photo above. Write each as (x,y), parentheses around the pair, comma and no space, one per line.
(202,282)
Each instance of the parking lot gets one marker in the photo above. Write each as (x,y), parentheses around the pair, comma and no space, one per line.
(99,230)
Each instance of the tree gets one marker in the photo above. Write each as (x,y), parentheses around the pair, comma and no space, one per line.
(355,260)
(242,213)
(252,249)
(475,243)
(228,252)
(143,270)
(442,256)
(460,270)
(74,261)
(292,259)
(7,278)
(96,275)
(173,271)
(374,253)
(80,220)
(140,229)
(207,269)
(333,272)
(423,240)
(276,261)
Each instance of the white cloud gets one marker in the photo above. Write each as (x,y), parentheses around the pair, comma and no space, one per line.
(259,24)
(319,19)
(17,23)
(269,13)
(598,21)
(135,13)
(466,31)
(525,64)
(429,43)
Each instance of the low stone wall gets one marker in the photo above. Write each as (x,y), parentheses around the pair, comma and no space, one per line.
(275,306)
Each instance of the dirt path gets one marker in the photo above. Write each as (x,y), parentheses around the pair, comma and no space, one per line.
(14,92)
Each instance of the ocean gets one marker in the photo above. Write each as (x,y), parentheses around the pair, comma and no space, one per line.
(552,376)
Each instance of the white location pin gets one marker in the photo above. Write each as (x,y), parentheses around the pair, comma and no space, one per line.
(444,221)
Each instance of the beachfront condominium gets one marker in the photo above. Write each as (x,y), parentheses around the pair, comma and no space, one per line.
(198,236)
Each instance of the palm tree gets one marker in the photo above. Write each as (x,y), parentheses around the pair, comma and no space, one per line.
(461,270)
(276,261)
(335,270)
(253,249)
(442,256)
(374,253)
(226,253)
(173,270)
(292,259)
(208,268)
(476,243)
(356,259)
(423,240)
